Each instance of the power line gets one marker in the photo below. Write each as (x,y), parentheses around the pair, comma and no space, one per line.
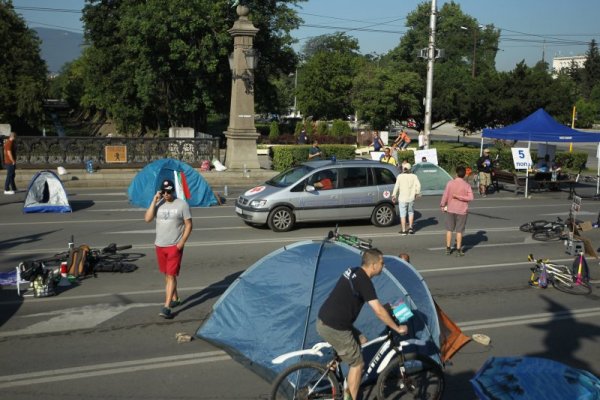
(76,30)
(48,9)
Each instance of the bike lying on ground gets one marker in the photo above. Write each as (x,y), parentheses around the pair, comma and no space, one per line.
(548,230)
(559,276)
(400,375)
(354,241)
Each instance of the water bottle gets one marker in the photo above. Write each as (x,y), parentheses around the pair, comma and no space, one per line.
(226,191)
(89,166)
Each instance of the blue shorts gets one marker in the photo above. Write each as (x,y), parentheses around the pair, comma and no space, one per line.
(406,208)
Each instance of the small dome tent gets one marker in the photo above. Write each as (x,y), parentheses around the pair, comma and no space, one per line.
(433,178)
(189,184)
(46,194)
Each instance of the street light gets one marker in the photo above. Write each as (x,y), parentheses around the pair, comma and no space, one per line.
(474,46)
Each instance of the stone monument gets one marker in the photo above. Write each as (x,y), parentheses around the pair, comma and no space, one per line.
(241,133)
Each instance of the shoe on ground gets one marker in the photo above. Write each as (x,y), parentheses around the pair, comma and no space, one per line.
(411,231)
(166,313)
(403,233)
(175,303)
(460,253)
(448,251)
(9,192)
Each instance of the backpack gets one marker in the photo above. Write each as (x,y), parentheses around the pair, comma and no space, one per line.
(44,284)
(29,270)
(78,265)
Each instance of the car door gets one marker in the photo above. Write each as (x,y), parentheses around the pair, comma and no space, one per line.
(358,193)
(320,204)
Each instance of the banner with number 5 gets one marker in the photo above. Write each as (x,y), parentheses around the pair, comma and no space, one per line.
(521,158)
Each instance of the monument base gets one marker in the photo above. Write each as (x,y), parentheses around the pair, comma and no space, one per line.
(241,151)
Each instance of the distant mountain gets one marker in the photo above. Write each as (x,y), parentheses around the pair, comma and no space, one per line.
(59,47)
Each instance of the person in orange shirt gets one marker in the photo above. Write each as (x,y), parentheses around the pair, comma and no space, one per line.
(402,141)
(10,164)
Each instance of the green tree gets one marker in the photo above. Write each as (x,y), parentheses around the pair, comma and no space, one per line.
(274,132)
(591,69)
(381,95)
(325,79)
(340,128)
(23,82)
(152,62)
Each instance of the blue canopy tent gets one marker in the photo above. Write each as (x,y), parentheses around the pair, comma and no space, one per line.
(271,309)
(189,184)
(541,127)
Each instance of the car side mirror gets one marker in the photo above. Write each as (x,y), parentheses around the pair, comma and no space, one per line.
(309,188)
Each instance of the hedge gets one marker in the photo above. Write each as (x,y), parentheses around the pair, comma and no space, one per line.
(285,157)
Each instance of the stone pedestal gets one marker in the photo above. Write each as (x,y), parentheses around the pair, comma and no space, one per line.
(241,133)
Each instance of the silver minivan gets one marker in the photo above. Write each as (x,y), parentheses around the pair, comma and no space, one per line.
(322,191)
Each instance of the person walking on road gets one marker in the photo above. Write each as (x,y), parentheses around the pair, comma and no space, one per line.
(484,167)
(340,310)
(406,190)
(455,204)
(10,164)
(173,228)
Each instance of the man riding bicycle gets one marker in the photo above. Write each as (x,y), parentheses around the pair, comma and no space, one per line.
(340,310)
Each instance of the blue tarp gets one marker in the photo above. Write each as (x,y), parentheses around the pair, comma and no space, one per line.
(46,194)
(271,309)
(541,127)
(145,184)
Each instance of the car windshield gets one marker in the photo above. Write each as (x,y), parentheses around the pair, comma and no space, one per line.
(290,176)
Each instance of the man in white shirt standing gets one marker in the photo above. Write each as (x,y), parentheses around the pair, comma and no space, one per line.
(407,188)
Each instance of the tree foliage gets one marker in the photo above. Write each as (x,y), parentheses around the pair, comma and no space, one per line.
(23,73)
(152,63)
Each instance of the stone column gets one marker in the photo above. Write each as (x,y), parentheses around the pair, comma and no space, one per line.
(241,133)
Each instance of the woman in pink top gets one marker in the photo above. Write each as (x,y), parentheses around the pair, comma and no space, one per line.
(455,203)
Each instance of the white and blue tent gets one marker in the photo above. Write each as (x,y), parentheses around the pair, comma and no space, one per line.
(272,308)
(189,184)
(46,194)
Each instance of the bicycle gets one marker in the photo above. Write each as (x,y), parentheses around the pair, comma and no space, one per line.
(587,180)
(354,241)
(560,276)
(398,373)
(544,231)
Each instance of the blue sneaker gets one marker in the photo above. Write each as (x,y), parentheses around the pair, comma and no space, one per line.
(166,313)
(175,303)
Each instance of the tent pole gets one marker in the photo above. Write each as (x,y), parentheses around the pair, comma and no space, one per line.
(598,173)
(527,173)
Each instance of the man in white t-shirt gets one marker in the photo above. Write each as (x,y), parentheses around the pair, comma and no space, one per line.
(407,188)
(173,227)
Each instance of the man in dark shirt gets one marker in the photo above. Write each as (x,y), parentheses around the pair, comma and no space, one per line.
(340,310)
(484,166)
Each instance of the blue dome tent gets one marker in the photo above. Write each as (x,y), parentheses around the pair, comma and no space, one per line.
(46,194)
(189,184)
(271,309)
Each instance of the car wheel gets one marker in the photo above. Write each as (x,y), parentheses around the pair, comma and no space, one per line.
(281,219)
(383,215)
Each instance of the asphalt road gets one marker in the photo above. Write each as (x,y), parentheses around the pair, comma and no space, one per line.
(103,339)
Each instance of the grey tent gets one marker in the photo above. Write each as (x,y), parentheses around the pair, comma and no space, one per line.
(271,309)
(433,178)
(46,194)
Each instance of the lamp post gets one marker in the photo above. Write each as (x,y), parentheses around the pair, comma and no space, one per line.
(431,56)
(241,133)
(294,114)
(475,31)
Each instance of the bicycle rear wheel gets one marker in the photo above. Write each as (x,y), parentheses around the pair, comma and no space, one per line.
(571,287)
(546,235)
(306,380)
(533,226)
(423,379)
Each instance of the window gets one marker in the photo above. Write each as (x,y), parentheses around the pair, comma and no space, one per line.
(327,176)
(354,177)
(384,176)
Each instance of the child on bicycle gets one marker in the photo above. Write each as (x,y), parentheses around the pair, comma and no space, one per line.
(340,310)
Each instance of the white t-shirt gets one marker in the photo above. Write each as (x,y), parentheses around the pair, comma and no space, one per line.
(170,219)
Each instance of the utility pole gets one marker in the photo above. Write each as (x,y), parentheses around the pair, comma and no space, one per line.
(474,52)
(431,54)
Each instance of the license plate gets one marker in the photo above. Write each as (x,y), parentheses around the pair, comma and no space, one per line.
(238,210)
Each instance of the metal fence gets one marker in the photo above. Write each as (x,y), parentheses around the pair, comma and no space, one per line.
(122,152)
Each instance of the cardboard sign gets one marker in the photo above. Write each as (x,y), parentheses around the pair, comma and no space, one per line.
(429,154)
(521,158)
(115,154)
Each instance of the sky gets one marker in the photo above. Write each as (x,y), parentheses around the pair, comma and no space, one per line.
(566,26)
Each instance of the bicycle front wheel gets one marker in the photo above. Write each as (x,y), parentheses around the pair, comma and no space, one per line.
(533,226)
(546,235)
(571,286)
(422,379)
(306,380)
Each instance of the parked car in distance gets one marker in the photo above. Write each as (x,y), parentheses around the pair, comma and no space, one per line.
(325,190)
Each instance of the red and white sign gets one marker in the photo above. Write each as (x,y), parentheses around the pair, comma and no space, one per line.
(386,194)
(255,190)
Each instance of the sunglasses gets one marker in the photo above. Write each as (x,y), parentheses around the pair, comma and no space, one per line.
(166,191)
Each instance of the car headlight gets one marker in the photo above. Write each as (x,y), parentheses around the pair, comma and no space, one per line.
(258,203)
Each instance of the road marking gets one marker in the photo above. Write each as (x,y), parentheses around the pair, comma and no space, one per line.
(94,221)
(87,371)
(528,240)
(195,230)
(86,317)
(578,213)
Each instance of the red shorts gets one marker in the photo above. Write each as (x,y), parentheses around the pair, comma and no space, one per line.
(169,259)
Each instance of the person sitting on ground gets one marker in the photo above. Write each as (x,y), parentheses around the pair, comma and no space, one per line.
(386,157)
